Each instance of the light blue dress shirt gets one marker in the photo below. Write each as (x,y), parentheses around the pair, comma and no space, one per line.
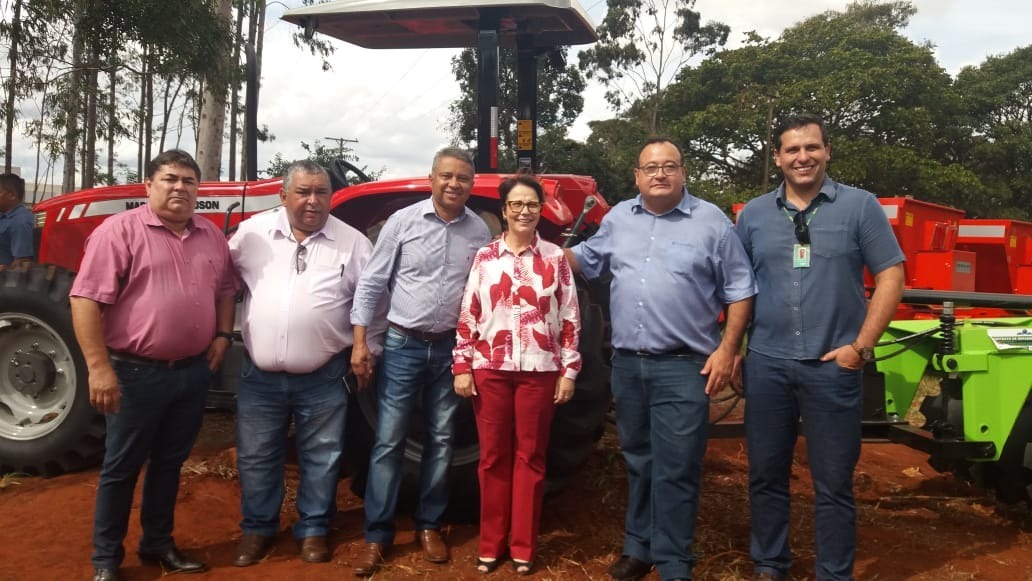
(672,273)
(422,261)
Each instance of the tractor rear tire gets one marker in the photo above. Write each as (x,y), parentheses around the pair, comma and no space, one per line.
(47,426)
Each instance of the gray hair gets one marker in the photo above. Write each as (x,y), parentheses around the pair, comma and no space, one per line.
(453,152)
(304,166)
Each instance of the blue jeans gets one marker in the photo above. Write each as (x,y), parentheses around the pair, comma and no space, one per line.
(161,413)
(411,368)
(266,401)
(662,417)
(828,399)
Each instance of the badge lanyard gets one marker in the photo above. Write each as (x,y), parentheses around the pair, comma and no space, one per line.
(801,252)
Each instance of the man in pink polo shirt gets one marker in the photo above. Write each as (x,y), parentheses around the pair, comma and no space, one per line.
(153,308)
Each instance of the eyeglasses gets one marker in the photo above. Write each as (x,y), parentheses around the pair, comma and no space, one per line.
(802,229)
(669,169)
(299,258)
(519,205)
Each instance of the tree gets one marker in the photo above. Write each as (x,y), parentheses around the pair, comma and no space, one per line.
(997,99)
(323,156)
(560,100)
(642,45)
(890,107)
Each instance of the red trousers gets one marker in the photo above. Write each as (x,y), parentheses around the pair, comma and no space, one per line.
(514,412)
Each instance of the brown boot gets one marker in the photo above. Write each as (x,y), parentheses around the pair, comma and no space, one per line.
(369,559)
(434,548)
(314,549)
(252,549)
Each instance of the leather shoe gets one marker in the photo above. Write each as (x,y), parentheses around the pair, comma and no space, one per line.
(434,548)
(629,569)
(314,549)
(252,549)
(172,561)
(105,574)
(369,559)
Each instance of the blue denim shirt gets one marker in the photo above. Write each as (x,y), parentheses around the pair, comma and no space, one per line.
(16,234)
(423,262)
(672,273)
(802,313)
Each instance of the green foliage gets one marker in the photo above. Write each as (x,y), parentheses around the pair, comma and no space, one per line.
(324,156)
(560,100)
(997,99)
(642,45)
(891,110)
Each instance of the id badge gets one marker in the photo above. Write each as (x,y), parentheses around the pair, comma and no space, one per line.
(801,256)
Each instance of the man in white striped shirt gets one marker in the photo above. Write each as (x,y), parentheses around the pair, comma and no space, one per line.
(422,258)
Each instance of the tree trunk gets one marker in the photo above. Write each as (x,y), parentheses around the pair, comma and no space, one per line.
(234,102)
(89,160)
(141,114)
(148,118)
(112,111)
(12,85)
(212,121)
(72,107)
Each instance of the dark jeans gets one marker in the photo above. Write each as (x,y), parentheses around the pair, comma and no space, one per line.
(828,399)
(266,401)
(411,369)
(662,417)
(161,413)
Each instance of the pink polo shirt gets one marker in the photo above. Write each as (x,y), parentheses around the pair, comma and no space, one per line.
(157,289)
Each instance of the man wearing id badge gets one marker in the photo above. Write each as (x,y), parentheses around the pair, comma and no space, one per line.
(812,332)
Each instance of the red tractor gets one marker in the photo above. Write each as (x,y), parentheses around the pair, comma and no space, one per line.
(46,423)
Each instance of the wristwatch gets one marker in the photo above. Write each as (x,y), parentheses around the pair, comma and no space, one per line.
(865,353)
(225,335)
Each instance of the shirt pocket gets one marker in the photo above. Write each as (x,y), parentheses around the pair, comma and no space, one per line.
(680,257)
(325,282)
(830,242)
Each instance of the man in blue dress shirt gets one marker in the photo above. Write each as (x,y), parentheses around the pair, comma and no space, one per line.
(809,241)
(676,264)
(422,258)
(16,222)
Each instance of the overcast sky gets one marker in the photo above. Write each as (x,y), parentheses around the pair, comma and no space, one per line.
(395,102)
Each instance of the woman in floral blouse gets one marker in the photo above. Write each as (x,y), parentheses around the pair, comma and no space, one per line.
(516,356)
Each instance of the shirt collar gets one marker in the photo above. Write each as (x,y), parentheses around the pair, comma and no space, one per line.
(534,248)
(829,189)
(427,208)
(13,211)
(685,206)
(281,227)
(150,218)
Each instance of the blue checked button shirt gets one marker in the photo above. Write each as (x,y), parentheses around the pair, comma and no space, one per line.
(422,261)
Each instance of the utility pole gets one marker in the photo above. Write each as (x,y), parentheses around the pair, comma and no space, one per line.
(340,144)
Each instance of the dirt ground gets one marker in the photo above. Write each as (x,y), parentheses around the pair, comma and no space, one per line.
(913,524)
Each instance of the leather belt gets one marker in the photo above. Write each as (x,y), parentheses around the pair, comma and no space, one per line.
(123,357)
(424,335)
(679,352)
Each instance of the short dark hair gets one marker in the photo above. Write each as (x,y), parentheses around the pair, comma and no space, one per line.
(528,180)
(13,183)
(797,121)
(453,152)
(172,157)
(658,139)
(305,166)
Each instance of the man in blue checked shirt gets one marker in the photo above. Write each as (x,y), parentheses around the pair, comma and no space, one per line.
(422,258)
(809,241)
(676,264)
